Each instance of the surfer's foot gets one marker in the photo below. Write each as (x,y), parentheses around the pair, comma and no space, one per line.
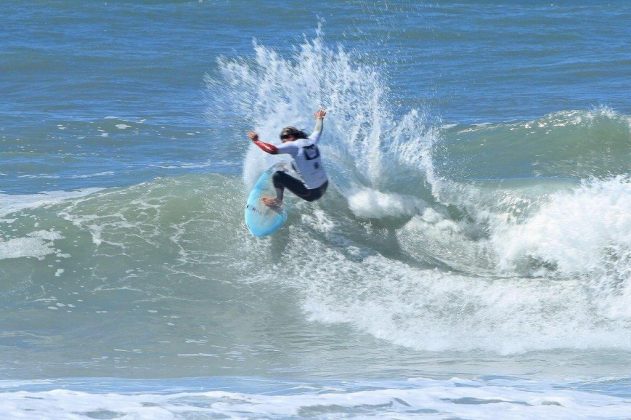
(271,202)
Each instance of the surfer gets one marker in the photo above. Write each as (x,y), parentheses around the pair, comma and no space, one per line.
(306,162)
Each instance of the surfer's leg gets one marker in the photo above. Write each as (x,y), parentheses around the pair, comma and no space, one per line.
(282,180)
(316,193)
(279,194)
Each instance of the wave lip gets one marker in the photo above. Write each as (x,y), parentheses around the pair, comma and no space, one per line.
(575,144)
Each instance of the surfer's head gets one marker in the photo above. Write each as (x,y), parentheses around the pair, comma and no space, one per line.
(291,134)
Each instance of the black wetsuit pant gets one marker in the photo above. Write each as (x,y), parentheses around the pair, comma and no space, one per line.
(283,180)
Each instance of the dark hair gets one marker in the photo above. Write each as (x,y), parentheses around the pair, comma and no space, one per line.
(293,131)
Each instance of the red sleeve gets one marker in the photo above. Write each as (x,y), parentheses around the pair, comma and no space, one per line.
(266,147)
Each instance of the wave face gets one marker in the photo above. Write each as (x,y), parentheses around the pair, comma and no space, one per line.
(566,144)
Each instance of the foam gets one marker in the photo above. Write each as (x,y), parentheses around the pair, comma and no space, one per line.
(368,203)
(12,203)
(577,230)
(461,398)
(437,310)
(35,245)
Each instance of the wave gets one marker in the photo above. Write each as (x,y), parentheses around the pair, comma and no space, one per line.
(494,206)
(437,239)
(550,273)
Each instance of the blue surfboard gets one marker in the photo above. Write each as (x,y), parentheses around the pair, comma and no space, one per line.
(260,219)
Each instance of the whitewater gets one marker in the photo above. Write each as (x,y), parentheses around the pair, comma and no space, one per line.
(471,264)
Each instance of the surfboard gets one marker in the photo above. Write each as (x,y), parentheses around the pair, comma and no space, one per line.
(260,219)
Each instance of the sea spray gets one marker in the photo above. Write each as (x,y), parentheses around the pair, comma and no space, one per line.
(366,147)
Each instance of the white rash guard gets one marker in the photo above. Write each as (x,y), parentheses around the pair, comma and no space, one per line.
(307,160)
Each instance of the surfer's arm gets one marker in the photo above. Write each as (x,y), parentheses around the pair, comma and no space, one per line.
(272,149)
(317,130)
(266,147)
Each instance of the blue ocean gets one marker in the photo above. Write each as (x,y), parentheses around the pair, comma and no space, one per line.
(471,258)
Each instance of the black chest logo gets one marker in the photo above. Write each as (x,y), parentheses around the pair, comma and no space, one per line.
(311,152)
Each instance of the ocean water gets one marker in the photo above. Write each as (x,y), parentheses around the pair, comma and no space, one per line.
(471,259)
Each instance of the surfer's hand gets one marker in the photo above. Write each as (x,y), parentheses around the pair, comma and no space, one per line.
(253,136)
(320,114)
